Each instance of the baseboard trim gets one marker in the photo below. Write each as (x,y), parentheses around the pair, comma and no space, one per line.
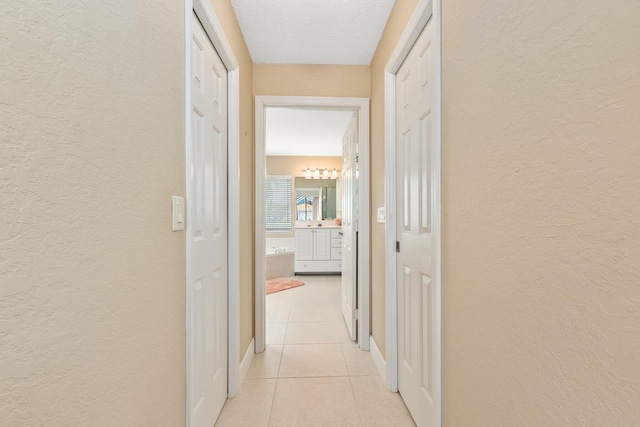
(246,361)
(378,360)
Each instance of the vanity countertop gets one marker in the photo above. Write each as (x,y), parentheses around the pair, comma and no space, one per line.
(325,224)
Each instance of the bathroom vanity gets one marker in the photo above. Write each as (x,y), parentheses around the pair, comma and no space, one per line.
(318,249)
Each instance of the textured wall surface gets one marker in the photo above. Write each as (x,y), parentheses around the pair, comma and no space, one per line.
(541,213)
(311,80)
(296,165)
(92,300)
(227,18)
(400,14)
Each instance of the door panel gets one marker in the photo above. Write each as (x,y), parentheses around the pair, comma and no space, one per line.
(349,223)
(322,245)
(304,245)
(207,234)
(415,179)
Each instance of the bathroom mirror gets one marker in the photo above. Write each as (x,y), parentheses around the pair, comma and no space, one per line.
(317,199)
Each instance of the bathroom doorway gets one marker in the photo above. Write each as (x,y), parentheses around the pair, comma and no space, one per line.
(305,170)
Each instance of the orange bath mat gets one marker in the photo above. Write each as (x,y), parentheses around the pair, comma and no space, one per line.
(277,285)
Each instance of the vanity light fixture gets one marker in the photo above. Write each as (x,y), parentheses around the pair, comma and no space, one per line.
(321,173)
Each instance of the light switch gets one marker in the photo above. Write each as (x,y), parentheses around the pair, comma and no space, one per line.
(177,204)
(382,215)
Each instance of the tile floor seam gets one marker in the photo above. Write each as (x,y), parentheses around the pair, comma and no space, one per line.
(279,363)
(286,329)
(344,356)
(289,313)
(355,399)
(314,376)
(273,400)
(284,339)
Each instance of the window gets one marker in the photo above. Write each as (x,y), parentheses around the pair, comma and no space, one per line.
(304,207)
(278,203)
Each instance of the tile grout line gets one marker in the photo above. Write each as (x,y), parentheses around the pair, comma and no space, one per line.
(321,376)
(355,400)
(345,361)
(284,340)
(273,401)
(280,362)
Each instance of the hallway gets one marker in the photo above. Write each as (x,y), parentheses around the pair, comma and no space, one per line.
(311,374)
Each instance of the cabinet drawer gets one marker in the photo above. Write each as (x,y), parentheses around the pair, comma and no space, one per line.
(336,243)
(336,254)
(318,266)
(336,233)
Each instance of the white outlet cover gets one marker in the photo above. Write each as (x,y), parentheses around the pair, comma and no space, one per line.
(382,215)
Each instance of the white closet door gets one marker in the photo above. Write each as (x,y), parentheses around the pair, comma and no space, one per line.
(207,234)
(415,259)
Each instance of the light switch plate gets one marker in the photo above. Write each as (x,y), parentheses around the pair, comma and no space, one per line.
(382,215)
(177,221)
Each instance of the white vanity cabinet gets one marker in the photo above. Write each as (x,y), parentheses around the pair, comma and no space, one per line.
(318,250)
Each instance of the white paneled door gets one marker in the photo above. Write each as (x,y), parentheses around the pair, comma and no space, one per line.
(207,234)
(415,156)
(349,225)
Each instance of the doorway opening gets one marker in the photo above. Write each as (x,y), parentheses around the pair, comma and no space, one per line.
(312,227)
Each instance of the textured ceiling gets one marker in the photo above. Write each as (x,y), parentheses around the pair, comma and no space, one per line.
(305,132)
(312,31)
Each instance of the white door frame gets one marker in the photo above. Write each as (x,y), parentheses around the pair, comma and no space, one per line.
(213,28)
(424,10)
(361,105)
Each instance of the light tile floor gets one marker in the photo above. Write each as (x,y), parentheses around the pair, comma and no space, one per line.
(311,373)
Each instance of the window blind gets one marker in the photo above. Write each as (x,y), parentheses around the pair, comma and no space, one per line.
(278,203)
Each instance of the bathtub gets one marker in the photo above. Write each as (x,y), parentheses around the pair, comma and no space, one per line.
(279,262)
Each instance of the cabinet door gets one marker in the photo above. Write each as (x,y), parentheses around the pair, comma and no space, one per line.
(322,245)
(304,244)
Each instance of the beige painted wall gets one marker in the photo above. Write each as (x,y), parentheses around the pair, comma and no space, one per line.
(400,14)
(92,297)
(540,206)
(92,300)
(227,18)
(541,203)
(311,80)
(297,165)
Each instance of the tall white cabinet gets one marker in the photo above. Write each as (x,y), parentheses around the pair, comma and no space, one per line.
(318,250)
